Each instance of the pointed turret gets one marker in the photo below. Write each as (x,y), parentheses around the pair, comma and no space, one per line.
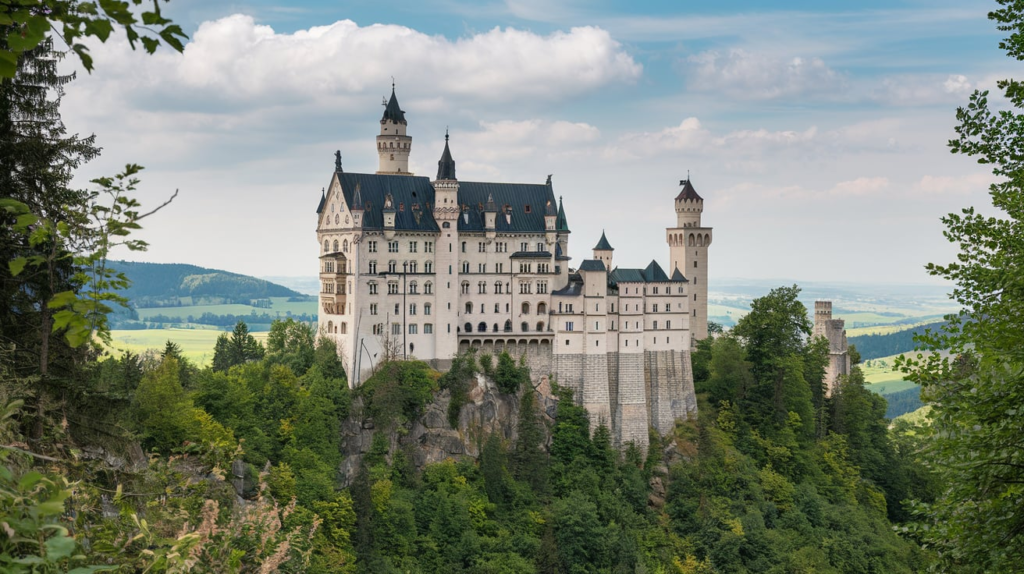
(446,165)
(603,251)
(357,206)
(392,111)
(560,223)
(323,200)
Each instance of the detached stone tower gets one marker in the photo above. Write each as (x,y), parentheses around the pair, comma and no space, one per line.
(393,145)
(834,330)
(688,251)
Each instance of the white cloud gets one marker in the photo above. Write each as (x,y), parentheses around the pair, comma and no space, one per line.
(957,185)
(236,60)
(862,186)
(926,89)
(758,76)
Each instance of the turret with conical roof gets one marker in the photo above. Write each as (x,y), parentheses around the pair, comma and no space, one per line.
(446,165)
(689,205)
(603,251)
(688,245)
(393,145)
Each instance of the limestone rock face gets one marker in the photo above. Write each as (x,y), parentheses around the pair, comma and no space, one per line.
(430,439)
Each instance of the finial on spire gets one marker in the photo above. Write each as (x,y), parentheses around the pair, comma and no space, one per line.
(549,181)
(392,83)
(445,134)
(337,160)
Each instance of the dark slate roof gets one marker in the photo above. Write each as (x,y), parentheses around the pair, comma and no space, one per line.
(559,255)
(678,277)
(323,200)
(572,289)
(413,199)
(603,245)
(531,255)
(392,111)
(592,265)
(513,197)
(688,192)
(561,224)
(652,274)
(446,165)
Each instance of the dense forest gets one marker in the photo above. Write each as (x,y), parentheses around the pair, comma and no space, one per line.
(877,346)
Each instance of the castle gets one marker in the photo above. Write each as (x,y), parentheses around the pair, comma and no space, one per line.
(834,330)
(411,267)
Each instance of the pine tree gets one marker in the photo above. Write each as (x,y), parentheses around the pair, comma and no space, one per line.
(38,158)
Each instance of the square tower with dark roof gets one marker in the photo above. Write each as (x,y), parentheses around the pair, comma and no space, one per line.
(688,245)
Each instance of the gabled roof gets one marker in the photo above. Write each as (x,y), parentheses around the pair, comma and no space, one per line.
(603,244)
(446,165)
(592,265)
(678,277)
(654,273)
(573,288)
(412,199)
(392,111)
(522,202)
(688,192)
(561,224)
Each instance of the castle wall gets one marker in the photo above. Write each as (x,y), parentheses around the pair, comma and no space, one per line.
(631,405)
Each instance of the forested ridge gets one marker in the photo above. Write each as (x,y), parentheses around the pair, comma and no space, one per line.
(888,344)
(162,284)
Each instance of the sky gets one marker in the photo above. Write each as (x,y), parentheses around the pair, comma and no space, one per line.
(815,131)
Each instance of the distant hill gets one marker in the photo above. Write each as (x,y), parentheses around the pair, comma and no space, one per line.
(176,284)
(876,346)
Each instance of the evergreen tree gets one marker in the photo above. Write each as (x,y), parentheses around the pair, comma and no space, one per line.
(529,461)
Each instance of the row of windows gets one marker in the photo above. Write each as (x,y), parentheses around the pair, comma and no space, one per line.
(340,328)
(413,308)
(481,327)
(396,329)
(542,308)
(501,246)
(636,342)
(428,246)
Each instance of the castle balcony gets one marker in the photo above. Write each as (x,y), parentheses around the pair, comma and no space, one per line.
(333,303)
(333,275)
(479,339)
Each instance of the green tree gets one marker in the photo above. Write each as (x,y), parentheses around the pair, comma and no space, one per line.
(976,445)
(529,461)
(241,347)
(292,343)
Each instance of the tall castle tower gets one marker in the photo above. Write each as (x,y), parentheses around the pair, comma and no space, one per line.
(393,146)
(446,213)
(838,350)
(688,251)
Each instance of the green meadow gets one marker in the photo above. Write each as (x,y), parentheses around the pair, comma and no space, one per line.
(196,344)
(280,307)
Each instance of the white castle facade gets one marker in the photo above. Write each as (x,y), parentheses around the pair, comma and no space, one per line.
(411,267)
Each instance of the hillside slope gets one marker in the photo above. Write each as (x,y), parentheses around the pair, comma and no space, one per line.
(166,284)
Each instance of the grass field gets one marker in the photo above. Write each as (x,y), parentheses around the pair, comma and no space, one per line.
(280,306)
(196,344)
(917,417)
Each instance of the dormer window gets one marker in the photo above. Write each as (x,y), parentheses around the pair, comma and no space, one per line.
(527,208)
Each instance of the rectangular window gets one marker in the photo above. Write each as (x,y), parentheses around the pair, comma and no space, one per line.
(426,308)
(413,267)
(481,247)
(694,296)
(373,308)
(412,308)
(542,287)
(542,268)
(428,267)
(412,247)
(481,268)
(540,247)
(344,328)
(655,325)
(524,288)
(413,329)
(465,266)
(655,290)
(568,325)
(569,307)
(465,288)
(481,287)
(396,328)
(373,268)
(392,247)
(373,288)
(524,246)
(428,328)
(392,288)
(428,246)
(597,325)
(372,246)
(668,324)
(378,329)
(499,267)
(655,307)
(392,266)
(428,288)
(398,308)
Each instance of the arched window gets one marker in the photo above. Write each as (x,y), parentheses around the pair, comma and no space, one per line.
(691,241)
(495,327)
(508,326)
(526,309)
(525,327)
(413,287)
(700,241)
(497,287)
(335,245)
(327,246)
(468,327)
(469,308)
(542,308)
(482,327)
(446,225)
(344,246)
(330,326)
(540,326)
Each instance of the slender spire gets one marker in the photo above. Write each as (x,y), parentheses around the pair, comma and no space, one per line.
(561,224)
(392,111)
(323,200)
(446,165)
